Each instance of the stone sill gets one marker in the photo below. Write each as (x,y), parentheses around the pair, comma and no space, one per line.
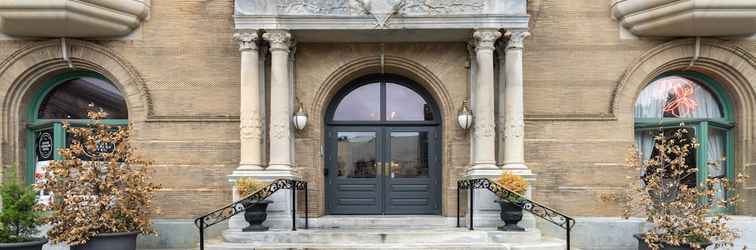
(72,18)
(676,18)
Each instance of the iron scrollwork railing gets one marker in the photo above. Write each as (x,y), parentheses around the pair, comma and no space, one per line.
(225,213)
(544,212)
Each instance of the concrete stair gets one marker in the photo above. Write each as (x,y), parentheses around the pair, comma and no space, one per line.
(384,232)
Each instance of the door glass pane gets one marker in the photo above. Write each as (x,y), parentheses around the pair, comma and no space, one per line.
(409,154)
(404,104)
(362,104)
(71,99)
(356,154)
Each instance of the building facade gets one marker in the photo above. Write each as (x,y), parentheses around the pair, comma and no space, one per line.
(559,91)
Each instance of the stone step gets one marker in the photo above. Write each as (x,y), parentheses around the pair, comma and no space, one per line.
(543,244)
(380,236)
(381,221)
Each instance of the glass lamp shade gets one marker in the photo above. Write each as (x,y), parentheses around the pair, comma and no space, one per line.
(300,118)
(465,117)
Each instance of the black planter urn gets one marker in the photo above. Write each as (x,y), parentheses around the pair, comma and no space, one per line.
(511,214)
(110,241)
(255,214)
(29,245)
(642,245)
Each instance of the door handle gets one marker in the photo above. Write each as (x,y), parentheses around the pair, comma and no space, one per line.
(387,169)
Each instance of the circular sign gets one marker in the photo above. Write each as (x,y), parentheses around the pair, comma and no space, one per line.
(45,145)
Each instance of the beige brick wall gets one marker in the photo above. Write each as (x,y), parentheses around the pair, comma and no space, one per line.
(574,61)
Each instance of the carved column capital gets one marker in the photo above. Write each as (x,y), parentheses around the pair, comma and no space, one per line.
(486,39)
(278,39)
(247,40)
(516,39)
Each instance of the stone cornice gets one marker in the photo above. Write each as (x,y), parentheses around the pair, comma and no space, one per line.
(72,18)
(675,18)
(369,23)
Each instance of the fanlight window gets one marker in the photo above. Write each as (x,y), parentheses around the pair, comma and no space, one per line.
(676,97)
(383,102)
(71,99)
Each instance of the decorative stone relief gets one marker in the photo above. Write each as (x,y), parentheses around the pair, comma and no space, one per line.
(485,129)
(516,39)
(486,39)
(278,39)
(247,40)
(280,131)
(514,130)
(440,7)
(252,128)
(322,7)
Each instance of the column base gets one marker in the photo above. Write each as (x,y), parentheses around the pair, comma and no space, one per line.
(279,212)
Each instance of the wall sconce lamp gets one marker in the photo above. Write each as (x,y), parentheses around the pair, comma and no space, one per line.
(300,117)
(464,116)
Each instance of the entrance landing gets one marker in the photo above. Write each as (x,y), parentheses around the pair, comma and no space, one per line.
(385,232)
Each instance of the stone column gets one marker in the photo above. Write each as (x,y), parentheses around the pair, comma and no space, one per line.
(514,117)
(514,121)
(280,133)
(484,135)
(249,115)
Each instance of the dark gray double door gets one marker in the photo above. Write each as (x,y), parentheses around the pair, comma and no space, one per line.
(383,170)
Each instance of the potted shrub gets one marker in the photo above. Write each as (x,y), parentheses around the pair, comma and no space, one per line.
(101,191)
(678,210)
(255,211)
(18,218)
(511,208)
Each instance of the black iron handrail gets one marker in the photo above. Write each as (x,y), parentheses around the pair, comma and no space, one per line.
(224,213)
(544,212)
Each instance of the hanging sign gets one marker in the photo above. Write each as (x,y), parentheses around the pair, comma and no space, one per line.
(45,145)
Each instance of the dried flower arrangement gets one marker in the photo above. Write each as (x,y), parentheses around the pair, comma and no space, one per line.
(249,185)
(513,182)
(100,186)
(678,209)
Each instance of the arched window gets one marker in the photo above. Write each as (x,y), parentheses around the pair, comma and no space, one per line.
(694,101)
(389,99)
(66,98)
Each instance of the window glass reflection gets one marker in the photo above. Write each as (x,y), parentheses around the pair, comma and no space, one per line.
(362,104)
(356,156)
(71,99)
(409,154)
(404,104)
(676,97)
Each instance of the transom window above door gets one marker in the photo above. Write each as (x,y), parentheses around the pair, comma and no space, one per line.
(383,99)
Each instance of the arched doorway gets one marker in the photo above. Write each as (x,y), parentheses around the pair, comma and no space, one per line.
(383,149)
(66,98)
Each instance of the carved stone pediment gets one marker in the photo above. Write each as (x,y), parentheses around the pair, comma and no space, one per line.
(380,14)
(72,18)
(367,7)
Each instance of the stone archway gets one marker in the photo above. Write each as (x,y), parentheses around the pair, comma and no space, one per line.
(22,73)
(354,69)
(731,66)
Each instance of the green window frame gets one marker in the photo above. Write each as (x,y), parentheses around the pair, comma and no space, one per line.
(36,125)
(701,127)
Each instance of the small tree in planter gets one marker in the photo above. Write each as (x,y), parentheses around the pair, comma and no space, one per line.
(678,209)
(102,194)
(256,212)
(511,210)
(18,218)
